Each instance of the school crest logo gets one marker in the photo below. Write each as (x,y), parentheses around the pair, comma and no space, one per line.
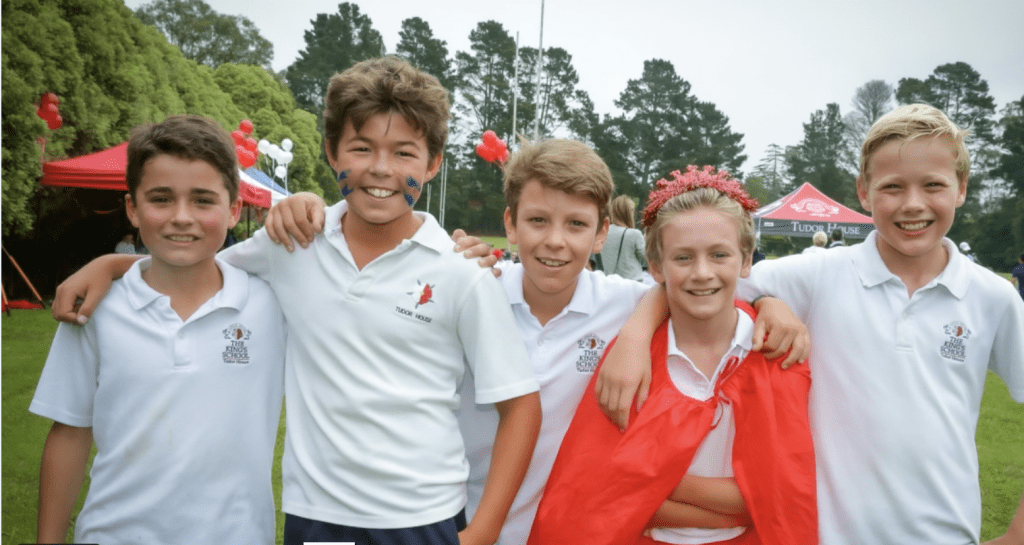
(591,347)
(236,352)
(815,207)
(955,346)
(423,293)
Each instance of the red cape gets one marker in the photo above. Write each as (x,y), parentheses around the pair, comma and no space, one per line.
(605,485)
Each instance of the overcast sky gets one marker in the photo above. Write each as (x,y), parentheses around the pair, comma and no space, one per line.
(767,65)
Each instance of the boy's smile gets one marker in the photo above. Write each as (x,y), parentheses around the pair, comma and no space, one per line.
(382,168)
(182,210)
(912,194)
(556,233)
(700,265)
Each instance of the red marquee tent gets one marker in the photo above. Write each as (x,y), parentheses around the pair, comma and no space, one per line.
(106,170)
(806,211)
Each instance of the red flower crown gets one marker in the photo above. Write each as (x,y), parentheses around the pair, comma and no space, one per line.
(692,179)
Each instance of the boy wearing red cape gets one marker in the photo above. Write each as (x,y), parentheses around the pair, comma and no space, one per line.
(722,452)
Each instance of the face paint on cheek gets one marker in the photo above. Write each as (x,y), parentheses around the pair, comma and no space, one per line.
(415,186)
(345,189)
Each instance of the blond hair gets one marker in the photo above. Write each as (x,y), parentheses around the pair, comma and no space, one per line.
(913,121)
(697,198)
(623,210)
(381,86)
(565,165)
(820,238)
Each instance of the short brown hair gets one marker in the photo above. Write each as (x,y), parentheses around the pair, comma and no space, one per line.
(623,211)
(565,165)
(189,137)
(700,197)
(912,121)
(384,85)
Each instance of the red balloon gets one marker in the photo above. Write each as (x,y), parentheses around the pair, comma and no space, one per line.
(50,98)
(55,123)
(246,158)
(245,126)
(490,138)
(484,152)
(238,137)
(40,112)
(503,155)
(250,144)
(51,110)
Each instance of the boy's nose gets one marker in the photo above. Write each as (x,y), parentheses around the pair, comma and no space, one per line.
(381,165)
(914,199)
(182,214)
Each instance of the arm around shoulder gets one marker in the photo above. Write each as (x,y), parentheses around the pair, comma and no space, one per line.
(88,286)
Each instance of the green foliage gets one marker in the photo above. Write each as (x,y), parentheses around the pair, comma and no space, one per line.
(818,157)
(206,36)
(111,73)
(417,44)
(335,43)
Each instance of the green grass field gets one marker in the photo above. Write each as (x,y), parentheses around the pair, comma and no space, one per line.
(26,339)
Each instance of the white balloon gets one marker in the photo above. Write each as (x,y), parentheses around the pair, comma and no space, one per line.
(281,171)
(275,152)
(263,146)
(286,144)
(286,157)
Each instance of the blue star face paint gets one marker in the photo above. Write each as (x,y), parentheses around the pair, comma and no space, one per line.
(345,189)
(413,186)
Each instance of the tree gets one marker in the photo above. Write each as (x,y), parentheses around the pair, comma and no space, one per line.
(666,128)
(559,104)
(772,170)
(417,44)
(484,76)
(957,90)
(870,102)
(335,43)
(817,159)
(206,36)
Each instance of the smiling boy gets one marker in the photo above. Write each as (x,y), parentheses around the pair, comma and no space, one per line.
(178,377)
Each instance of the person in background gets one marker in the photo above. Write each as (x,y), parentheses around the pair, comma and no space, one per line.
(837,238)
(126,245)
(819,240)
(966,249)
(623,253)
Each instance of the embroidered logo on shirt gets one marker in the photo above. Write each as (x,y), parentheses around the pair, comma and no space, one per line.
(591,347)
(236,353)
(422,295)
(955,347)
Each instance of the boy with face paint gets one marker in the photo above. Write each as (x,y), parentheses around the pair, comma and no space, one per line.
(384,320)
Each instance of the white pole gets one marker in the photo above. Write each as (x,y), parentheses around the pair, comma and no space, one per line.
(515,93)
(540,66)
(444,189)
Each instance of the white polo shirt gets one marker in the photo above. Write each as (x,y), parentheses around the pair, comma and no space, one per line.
(184,414)
(563,353)
(374,358)
(897,388)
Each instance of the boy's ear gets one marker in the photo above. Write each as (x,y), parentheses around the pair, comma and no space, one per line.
(601,238)
(130,210)
(862,194)
(434,167)
(748,262)
(961,195)
(510,227)
(655,270)
(236,212)
(330,154)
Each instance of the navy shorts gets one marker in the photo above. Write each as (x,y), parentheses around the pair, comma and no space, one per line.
(298,530)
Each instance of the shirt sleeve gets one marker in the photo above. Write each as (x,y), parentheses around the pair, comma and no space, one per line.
(252,255)
(67,386)
(491,343)
(1005,359)
(792,279)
